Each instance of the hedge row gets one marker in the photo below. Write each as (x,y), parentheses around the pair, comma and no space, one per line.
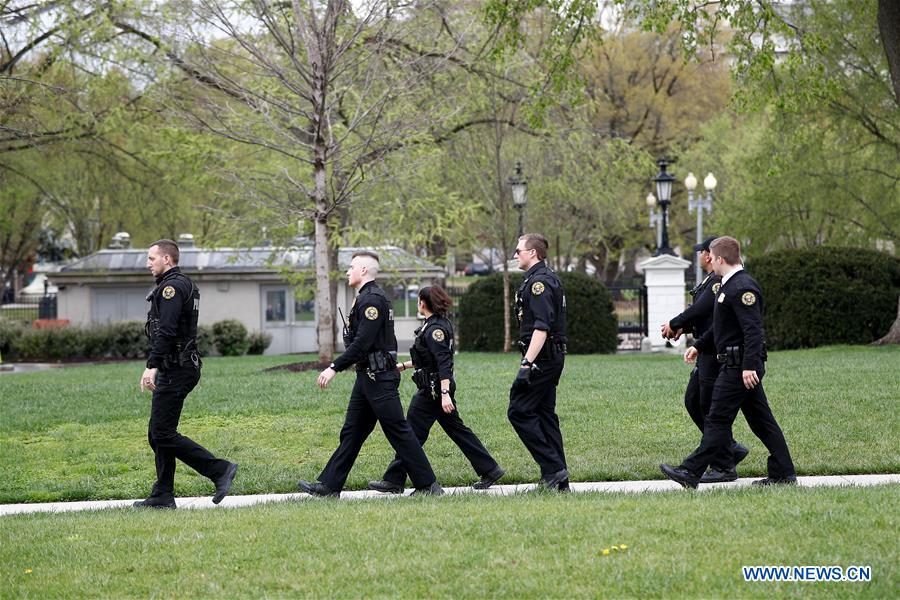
(118,340)
(822,296)
(591,323)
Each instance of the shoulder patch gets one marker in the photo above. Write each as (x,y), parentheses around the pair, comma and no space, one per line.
(438,335)
(537,288)
(716,287)
(749,298)
(371,313)
(168,292)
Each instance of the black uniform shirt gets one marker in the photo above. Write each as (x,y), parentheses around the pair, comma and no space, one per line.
(737,321)
(435,340)
(541,304)
(372,326)
(697,318)
(174,304)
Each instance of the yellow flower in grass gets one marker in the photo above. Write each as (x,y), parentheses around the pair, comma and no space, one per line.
(28,570)
(605,552)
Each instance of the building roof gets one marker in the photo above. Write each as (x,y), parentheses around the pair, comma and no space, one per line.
(242,260)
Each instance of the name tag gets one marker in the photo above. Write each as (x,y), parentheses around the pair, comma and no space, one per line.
(721,298)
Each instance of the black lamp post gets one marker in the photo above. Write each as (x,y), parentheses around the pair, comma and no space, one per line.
(664,181)
(519,194)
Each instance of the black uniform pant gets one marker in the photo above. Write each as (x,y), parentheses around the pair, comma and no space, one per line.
(532,412)
(172,387)
(697,400)
(374,402)
(423,411)
(730,396)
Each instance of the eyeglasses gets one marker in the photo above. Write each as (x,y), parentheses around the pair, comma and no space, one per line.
(520,250)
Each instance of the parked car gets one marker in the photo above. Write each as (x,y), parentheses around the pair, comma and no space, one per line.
(477,269)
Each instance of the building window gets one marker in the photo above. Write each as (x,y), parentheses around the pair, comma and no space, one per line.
(276,306)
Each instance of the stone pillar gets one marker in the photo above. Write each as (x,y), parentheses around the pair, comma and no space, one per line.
(664,278)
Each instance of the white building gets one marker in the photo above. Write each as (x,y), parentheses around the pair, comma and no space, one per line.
(250,285)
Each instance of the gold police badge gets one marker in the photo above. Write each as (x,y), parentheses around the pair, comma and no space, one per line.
(438,335)
(371,313)
(168,292)
(537,288)
(749,298)
(716,287)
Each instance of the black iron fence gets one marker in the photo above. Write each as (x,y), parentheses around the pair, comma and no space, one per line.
(630,308)
(29,308)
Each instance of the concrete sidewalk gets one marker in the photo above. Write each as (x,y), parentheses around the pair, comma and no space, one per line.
(632,487)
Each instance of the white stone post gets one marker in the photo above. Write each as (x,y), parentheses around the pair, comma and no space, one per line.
(664,278)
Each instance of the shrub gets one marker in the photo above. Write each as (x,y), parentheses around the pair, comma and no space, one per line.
(205,339)
(50,344)
(128,340)
(591,324)
(258,342)
(10,331)
(230,337)
(822,296)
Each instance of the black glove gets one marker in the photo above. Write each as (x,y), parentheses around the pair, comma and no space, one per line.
(523,377)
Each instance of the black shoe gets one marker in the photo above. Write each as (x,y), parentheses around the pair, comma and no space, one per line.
(776,481)
(564,485)
(434,489)
(318,489)
(679,475)
(554,480)
(489,478)
(223,483)
(157,502)
(739,451)
(386,487)
(717,476)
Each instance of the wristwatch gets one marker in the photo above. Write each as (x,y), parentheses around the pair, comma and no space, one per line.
(331,366)
(444,392)
(525,362)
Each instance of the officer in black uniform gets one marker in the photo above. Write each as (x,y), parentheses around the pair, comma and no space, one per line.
(541,311)
(435,399)
(173,370)
(698,395)
(371,346)
(738,338)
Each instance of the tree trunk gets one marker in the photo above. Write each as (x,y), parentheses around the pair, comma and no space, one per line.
(325,324)
(893,335)
(889,27)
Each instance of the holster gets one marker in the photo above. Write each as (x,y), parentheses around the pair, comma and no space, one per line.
(732,357)
(381,361)
(184,356)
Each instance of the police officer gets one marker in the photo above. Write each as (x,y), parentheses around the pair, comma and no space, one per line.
(541,312)
(371,347)
(698,395)
(738,338)
(173,370)
(435,399)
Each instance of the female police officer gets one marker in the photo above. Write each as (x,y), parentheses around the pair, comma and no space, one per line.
(432,358)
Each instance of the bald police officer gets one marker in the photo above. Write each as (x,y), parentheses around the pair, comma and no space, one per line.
(173,370)
(697,319)
(371,348)
(541,312)
(738,338)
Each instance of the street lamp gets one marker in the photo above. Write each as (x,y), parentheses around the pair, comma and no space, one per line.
(655,218)
(700,203)
(664,181)
(519,194)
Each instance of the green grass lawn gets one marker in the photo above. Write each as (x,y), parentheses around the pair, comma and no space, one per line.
(534,545)
(80,433)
